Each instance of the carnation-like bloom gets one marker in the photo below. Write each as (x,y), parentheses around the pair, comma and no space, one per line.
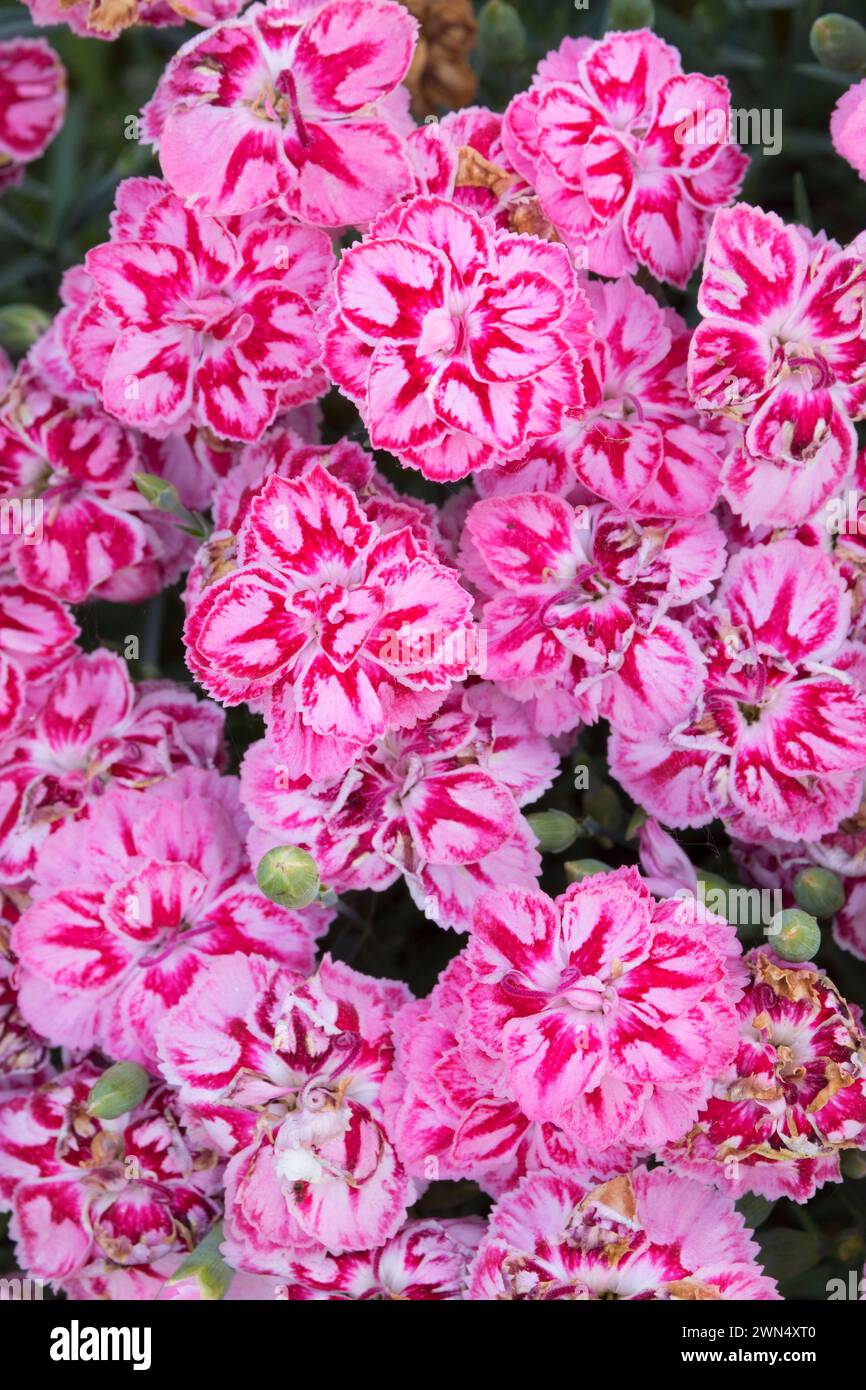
(795,1096)
(341,632)
(438,803)
(776,744)
(646,1235)
(32,103)
(848,127)
(451,1108)
(79,527)
(459,345)
(37,635)
(285,1075)
(87,729)
(108,19)
(580,606)
(629,155)
(639,443)
(295,103)
(613,1012)
(428,1261)
(782,351)
(201,321)
(25,1059)
(92,1198)
(131,902)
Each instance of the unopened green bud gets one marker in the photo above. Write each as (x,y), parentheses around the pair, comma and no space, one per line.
(501,35)
(839,43)
(163,496)
(794,935)
(819,891)
(630,14)
(578,869)
(206,1264)
(288,876)
(20,326)
(554,830)
(119,1089)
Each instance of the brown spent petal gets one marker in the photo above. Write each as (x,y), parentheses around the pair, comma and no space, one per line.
(475,171)
(618,1195)
(526,218)
(789,984)
(110,16)
(693,1290)
(836,1079)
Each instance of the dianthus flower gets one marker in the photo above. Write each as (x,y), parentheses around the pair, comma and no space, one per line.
(639,443)
(579,606)
(645,1235)
(795,1096)
(439,803)
(102,1200)
(848,127)
(131,902)
(776,745)
(629,155)
(459,345)
(284,1075)
(80,528)
(613,1013)
(427,1261)
(296,104)
(87,729)
(198,321)
(341,632)
(32,103)
(781,350)
(37,635)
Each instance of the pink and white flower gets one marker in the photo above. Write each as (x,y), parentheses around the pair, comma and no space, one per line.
(93,1199)
(459,345)
(612,1013)
(295,104)
(129,905)
(642,1235)
(80,528)
(640,444)
(197,321)
(311,624)
(37,636)
(284,1075)
(32,103)
(782,351)
(427,1261)
(776,744)
(795,1096)
(848,127)
(439,803)
(629,155)
(580,607)
(88,729)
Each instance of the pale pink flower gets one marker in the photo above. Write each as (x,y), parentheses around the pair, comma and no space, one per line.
(643,1235)
(296,104)
(439,803)
(848,127)
(284,1075)
(613,1012)
(131,902)
(580,606)
(89,728)
(776,743)
(628,154)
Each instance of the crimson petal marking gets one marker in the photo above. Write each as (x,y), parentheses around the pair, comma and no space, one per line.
(386,288)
